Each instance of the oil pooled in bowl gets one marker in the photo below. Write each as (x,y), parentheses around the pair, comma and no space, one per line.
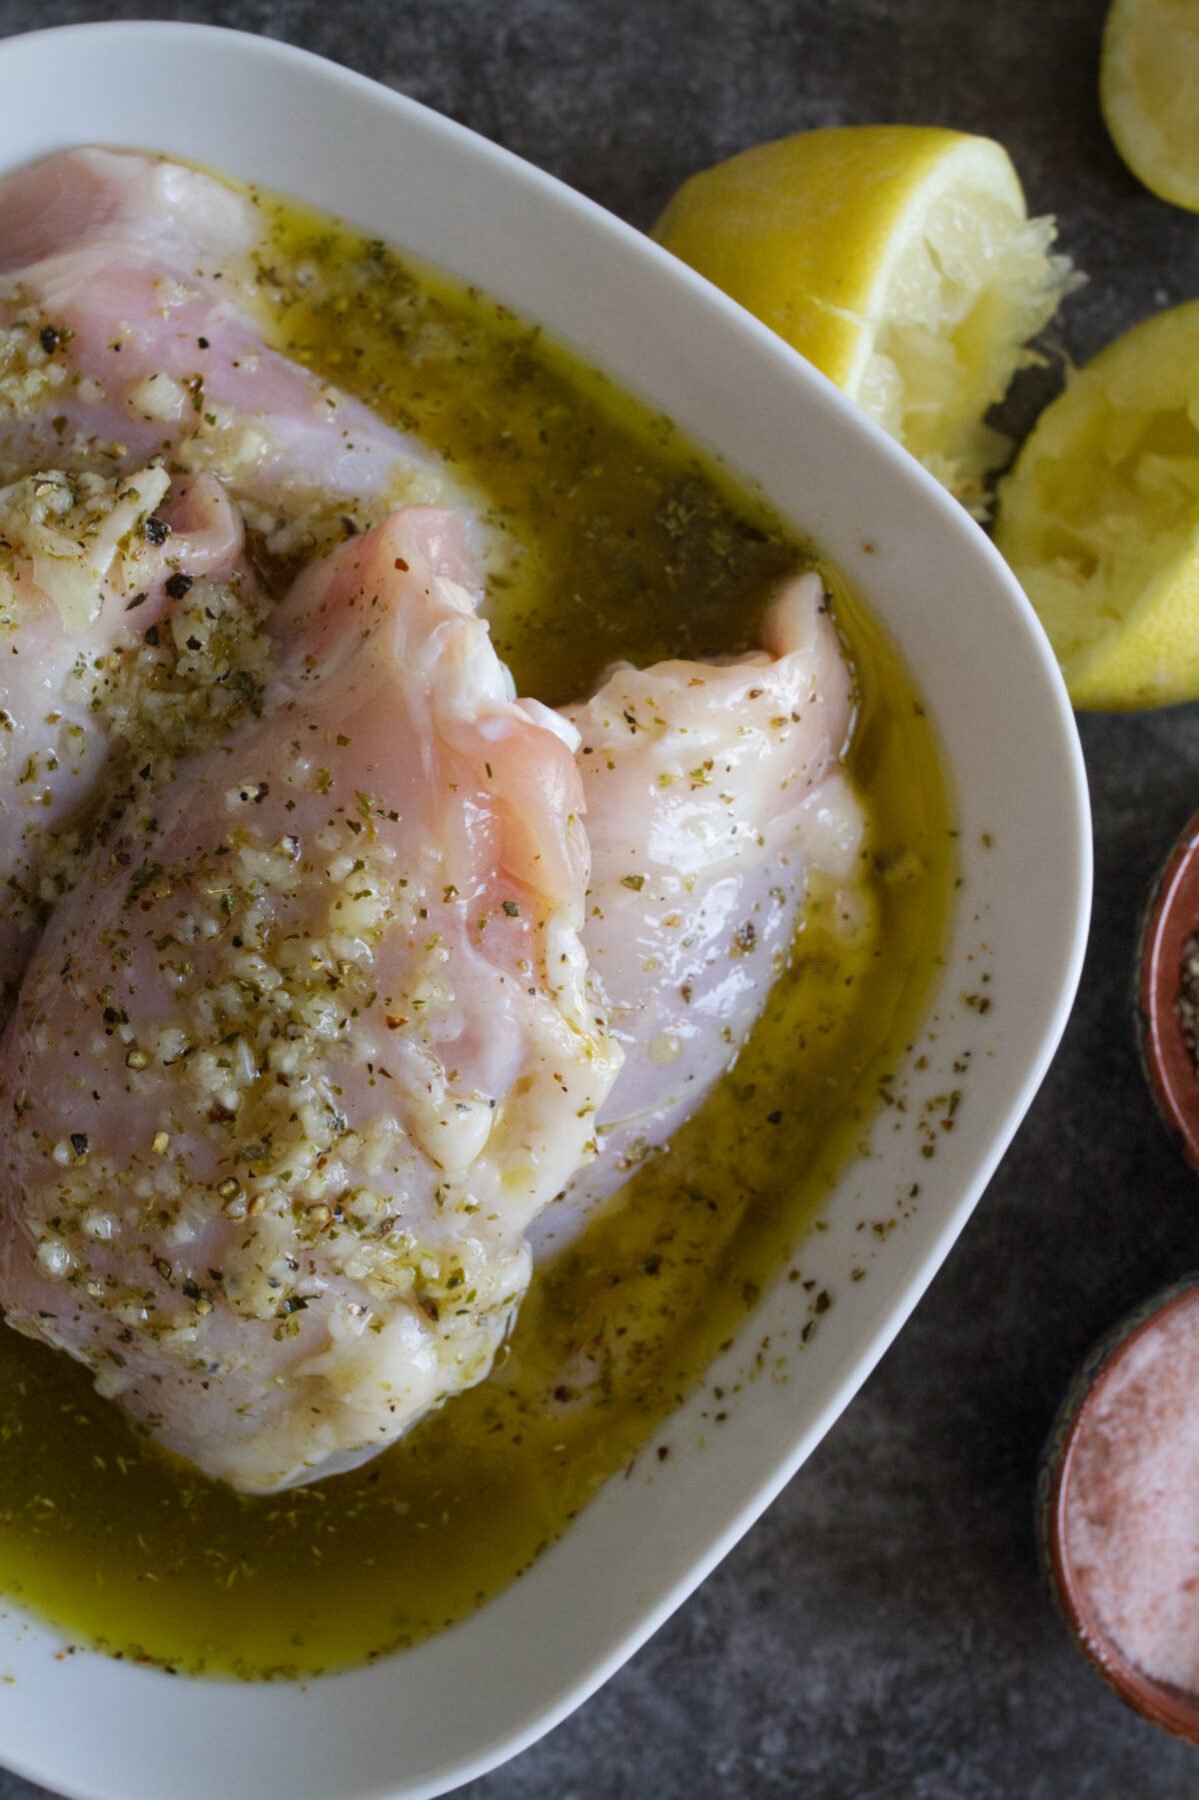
(623,543)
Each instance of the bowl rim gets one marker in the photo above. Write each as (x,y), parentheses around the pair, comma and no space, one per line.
(1170,920)
(844,1376)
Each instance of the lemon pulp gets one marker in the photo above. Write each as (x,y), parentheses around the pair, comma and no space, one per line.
(1099,519)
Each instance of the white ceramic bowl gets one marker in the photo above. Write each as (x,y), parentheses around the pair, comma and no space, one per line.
(430,1718)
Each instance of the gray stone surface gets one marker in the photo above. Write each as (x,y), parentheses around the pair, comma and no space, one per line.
(882,1632)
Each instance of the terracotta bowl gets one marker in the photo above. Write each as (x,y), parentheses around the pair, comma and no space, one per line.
(1171,920)
(1171,1708)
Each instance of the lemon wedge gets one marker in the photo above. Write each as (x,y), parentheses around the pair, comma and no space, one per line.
(1149,93)
(1099,519)
(899,259)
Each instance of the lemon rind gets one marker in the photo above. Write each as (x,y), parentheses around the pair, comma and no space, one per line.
(1137,135)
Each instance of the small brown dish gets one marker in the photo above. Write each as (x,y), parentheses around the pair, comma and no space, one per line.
(1174,1709)
(1170,925)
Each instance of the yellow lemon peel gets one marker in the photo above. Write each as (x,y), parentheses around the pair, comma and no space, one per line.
(1149,93)
(899,259)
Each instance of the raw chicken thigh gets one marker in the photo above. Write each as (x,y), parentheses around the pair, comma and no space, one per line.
(713,793)
(293,1071)
(87,563)
(127,332)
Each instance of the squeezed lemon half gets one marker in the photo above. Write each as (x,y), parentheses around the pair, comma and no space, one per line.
(899,259)
(1149,93)
(1100,519)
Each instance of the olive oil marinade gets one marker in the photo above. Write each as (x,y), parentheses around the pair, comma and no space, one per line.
(614,539)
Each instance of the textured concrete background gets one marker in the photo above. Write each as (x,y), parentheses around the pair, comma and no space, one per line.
(882,1632)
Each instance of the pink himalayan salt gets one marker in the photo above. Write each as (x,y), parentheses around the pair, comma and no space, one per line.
(1132,1500)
